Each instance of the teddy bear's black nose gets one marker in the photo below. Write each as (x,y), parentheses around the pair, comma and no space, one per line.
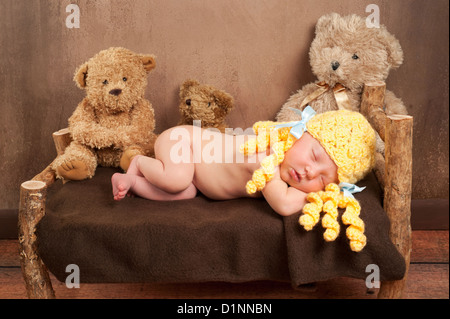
(335,65)
(115,92)
(188,102)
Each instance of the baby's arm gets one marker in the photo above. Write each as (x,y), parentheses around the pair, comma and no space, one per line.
(283,199)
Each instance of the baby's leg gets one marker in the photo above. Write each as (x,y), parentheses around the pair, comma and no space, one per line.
(133,169)
(123,183)
(164,172)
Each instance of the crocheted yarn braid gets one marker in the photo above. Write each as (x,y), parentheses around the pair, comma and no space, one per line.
(328,201)
(354,232)
(266,135)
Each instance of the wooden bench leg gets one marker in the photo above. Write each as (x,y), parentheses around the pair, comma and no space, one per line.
(397,193)
(31,211)
(395,176)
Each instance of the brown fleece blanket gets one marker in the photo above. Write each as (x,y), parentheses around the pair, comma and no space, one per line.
(198,240)
(310,256)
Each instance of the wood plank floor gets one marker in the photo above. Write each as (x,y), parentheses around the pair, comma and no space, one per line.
(428,278)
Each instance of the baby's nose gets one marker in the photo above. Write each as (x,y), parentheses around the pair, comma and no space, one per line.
(311,172)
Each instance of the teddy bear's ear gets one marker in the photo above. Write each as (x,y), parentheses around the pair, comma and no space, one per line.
(148,61)
(187,85)
(393,48)
(326,21)
(81,75)
(223,100)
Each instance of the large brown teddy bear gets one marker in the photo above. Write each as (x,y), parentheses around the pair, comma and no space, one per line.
(344,55)
(205,103)
(114,122)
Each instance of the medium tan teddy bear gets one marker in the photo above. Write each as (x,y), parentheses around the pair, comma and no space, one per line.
(205,103)
(114,122)
(344,55)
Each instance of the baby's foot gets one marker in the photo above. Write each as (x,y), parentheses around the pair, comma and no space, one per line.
(121,184)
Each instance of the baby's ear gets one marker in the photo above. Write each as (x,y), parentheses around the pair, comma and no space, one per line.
(148,60)
(223,99)
(81,75)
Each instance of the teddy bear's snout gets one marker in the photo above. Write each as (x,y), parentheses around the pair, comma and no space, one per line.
(115,92)
(335,65)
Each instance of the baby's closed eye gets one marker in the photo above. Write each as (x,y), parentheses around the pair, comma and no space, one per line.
(314,155)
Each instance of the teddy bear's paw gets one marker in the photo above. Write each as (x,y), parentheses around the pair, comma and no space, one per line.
(75,170)
(127,157)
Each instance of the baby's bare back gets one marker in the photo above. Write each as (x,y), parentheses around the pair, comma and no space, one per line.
(221,172)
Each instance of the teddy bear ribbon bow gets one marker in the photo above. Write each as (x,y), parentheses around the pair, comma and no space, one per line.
(299,127)
(339,91)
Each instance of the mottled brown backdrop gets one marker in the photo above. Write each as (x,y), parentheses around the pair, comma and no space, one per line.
(257,50)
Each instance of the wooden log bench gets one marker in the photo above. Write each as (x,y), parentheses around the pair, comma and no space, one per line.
(393,171)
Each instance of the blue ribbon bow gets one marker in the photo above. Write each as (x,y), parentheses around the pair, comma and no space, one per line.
(299,127)
(350,189)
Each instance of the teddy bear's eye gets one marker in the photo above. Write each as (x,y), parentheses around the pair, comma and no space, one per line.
(209,103)
(355,57)
(124,79)
(105,82)
(188,102)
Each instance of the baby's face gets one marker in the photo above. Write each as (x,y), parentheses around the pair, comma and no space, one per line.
(307,166)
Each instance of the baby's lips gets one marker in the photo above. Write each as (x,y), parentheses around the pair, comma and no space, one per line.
(295,176)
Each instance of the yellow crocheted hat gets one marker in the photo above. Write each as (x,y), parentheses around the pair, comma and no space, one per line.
(348,139)
(346,136)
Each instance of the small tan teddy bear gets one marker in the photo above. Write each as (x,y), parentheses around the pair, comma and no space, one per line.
(204,103)
(114,122)
(344,55)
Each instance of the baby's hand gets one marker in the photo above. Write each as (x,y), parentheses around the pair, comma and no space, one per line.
(283,199)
